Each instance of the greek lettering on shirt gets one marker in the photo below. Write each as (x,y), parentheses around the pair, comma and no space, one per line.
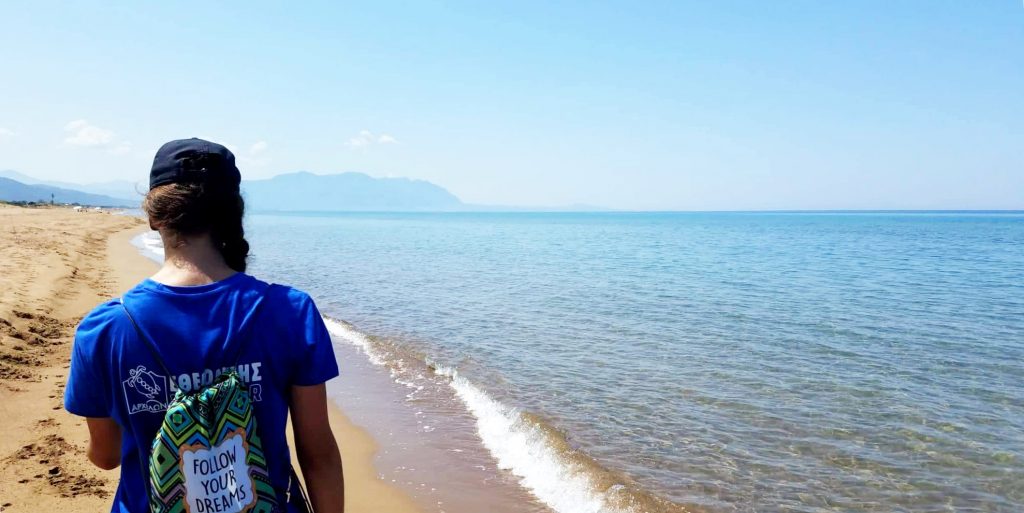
(248,372)
(148,391)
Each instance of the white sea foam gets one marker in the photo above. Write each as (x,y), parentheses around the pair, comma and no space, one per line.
(396,367)
(355,338)
(150,245)
(519,446)
(523,448)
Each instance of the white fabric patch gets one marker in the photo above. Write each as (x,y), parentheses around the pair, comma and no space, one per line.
(217,479)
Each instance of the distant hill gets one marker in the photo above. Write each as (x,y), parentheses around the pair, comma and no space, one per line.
(123,189)
(13,190)
(346,192)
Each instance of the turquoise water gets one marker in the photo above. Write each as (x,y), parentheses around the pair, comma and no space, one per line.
(733,361)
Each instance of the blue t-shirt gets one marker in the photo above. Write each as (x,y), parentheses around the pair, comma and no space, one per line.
(196,330)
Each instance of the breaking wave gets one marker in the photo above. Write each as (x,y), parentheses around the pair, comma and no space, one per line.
(563,478)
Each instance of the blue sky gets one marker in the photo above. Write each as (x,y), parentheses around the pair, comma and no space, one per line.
(634,105)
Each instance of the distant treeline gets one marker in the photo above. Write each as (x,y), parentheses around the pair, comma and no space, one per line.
(40,203)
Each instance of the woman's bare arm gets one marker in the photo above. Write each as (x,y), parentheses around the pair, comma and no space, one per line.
(316,449)
(104,442)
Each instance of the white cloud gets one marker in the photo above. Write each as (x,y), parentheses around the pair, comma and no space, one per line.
(81,133)
(6,133)
(258,147)
(366,138)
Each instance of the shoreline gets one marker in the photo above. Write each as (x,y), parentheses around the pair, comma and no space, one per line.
(56,265)
(445,442)
(443,438)
(402,452)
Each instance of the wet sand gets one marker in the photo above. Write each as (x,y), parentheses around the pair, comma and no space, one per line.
(55,265)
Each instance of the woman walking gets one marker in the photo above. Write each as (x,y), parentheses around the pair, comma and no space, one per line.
(187,381)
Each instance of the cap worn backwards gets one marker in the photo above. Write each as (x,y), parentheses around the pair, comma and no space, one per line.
(194,161)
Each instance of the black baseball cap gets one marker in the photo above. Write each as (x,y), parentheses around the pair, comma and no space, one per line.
(194,161)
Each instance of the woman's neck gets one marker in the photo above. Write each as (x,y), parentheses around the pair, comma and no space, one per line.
(190,261)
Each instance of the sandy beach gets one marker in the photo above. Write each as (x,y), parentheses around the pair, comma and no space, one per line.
(55,265)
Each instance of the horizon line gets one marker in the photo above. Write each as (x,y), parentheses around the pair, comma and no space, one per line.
(542,210)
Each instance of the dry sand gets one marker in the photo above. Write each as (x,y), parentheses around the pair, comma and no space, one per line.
(55,265)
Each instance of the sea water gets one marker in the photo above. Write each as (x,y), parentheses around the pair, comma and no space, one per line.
(722,361)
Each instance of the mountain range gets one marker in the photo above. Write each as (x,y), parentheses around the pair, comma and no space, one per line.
(13,190)
(347,192)
(301,191)
(124,190)
(290,192)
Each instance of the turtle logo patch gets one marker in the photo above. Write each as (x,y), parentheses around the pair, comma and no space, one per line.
(145,390)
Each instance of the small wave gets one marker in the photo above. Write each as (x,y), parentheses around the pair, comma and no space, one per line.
(522,448)
(346,332)
(377,356)
(150,245)
(562,478)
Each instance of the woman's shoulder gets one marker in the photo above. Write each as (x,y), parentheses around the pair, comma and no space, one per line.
(100,322)
(283,297)
(103,314)
(291,307)
(241,287)
(291,293)
(148,298)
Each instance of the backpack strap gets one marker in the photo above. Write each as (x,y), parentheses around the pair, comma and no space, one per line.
(146,340)
(296,494)
(143,458)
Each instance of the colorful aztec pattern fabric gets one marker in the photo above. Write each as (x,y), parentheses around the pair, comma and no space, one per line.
(207,456)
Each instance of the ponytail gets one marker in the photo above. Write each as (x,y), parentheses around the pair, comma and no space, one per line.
(229,236)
